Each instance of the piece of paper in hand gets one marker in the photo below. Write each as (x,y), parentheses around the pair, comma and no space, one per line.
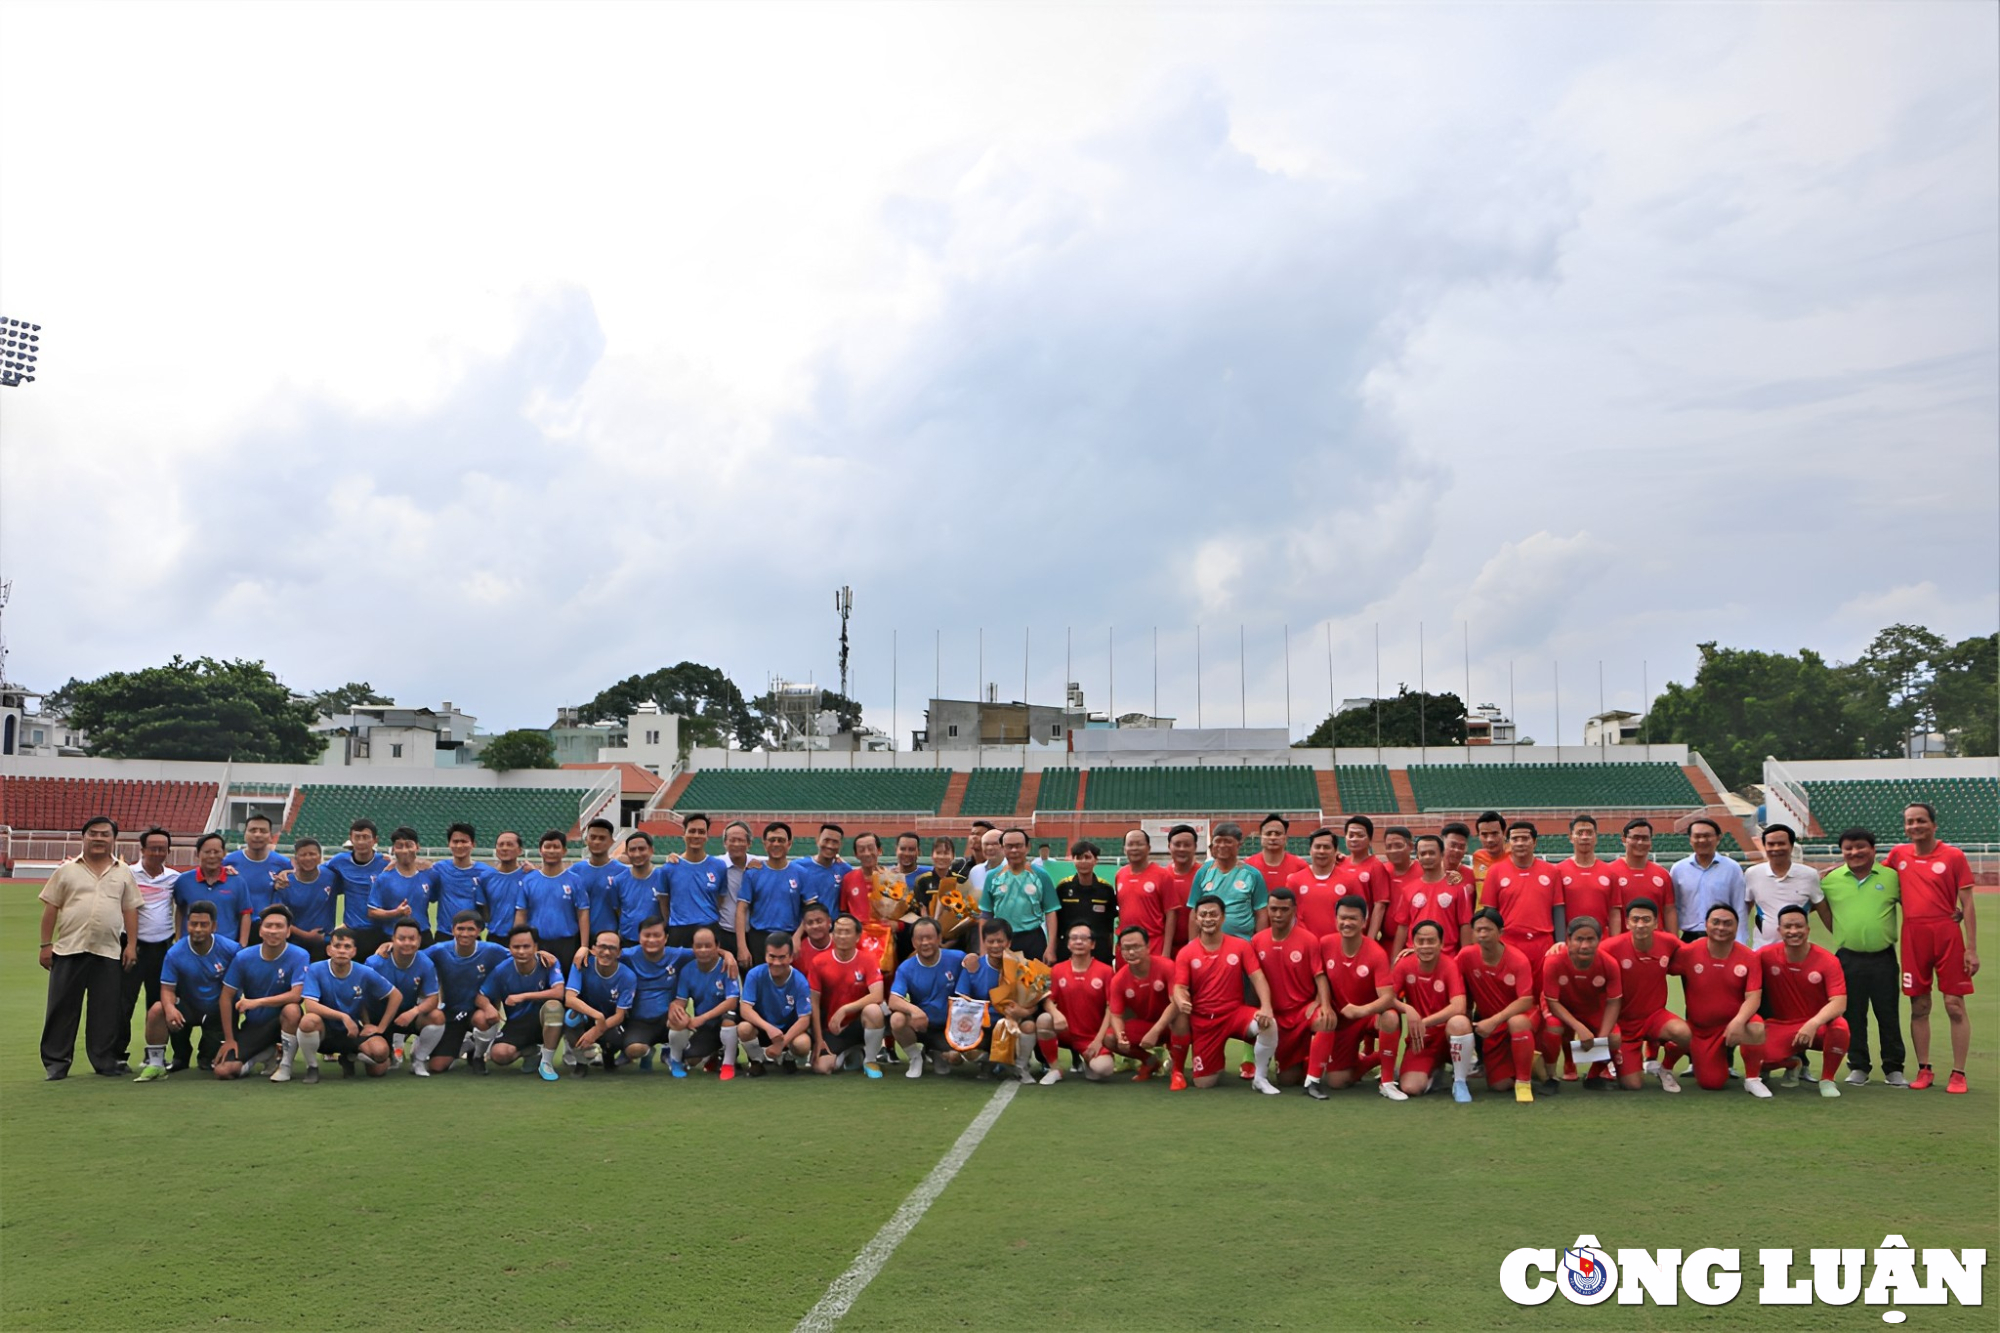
(1590,1054)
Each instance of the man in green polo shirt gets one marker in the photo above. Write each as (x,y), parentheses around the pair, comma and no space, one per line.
(1239,884)
(1022,898)
(1863,897)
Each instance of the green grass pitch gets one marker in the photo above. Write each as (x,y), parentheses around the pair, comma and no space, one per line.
(635,1202)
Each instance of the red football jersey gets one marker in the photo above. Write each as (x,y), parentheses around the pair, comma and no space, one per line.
(1794,992)
(1583,991)
(1426,992)
(1316,900)
(1215,980)
(1291,968)
(1143,999)
(1651,881)
(1715,987)
(1081,995)
(843,982)
(1354,980)
(1527,899)
(1276,874)
(1588,891)
(807,952)
(1368,878)
(1930,883)
(1644,974)
(1491,987)
(854,897)
(1143,899)
(1448,904)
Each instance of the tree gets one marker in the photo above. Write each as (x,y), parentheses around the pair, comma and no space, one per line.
(201,710)
(521,748)
(712,709)
(1966,693)
(333,703)
(1442,717)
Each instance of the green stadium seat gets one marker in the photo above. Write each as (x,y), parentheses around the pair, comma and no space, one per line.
(992,791)
(1518,787)
(1364,789)
(1202,789)
(328,810)
(832,790)
(1968,808)
(1058,789)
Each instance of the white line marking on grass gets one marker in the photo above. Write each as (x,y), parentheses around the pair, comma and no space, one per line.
(847,1288)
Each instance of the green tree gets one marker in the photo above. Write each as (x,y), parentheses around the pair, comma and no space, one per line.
(712,709)
(1442,719)
(521,748)
(332,703)
(201,709)
(1966,694)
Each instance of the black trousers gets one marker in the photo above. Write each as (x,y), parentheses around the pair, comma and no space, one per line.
(75,978)
(1874,981)
(145,975)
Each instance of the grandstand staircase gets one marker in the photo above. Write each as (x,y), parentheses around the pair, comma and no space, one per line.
(1329,792)
(1406,794)
(675,788)
(292,808)
(1031,787)
(954,794)
(1082,788)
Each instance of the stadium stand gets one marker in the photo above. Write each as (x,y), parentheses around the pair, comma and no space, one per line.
(1968,808)
(831,790)
(1058,789)
(1515,787)
(62,804)
(1365,789)
(992,791)
(329,809)
(1263,788)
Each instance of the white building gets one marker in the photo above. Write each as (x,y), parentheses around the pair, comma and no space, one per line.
(390,735)
(1616,727)
(29,727)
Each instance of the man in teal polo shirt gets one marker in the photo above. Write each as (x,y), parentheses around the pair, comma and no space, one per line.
(1239,884)
(1022,898)
(1864,898)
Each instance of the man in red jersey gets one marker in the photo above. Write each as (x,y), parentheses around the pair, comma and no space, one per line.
(1645,955)
(1274,860)
(1365,873)
(1939,935)
(1182,866)
(1431,995)
(815,936)
(1805,997)
(1638,875)
(1208,989)
(1507,1017)
(1142,1013)
(1073,1012)
(1589,885)
(1362,995)
(1456,838)
(1724,983)
(1584,990)
(1290,957)
(1428,895)
(1528,893)
(847,1002)
(1145,895)
(1315,890)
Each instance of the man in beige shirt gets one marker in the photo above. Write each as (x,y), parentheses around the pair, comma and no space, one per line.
(90,930)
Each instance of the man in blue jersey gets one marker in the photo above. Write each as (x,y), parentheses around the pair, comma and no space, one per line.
(552,904)
(462,964)
(307,891)
(593,876)
(598,995)
(776,1010)
(420,1021)
(656,970)
(402,891)
(213,883)
(457,882)
(190,992)
(773,894)
(347,1008)
(920,999)
(638,890)
(356,869)
(824,870)
(257,865)
(500,897)
(694,885)
(261,997)
(525,995)
(702,1021)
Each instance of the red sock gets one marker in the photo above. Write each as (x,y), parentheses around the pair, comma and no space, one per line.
(1386,1057)
(1318,1054)
(1050,1051)
(1552,1050)
(1523,1045)
(1372,1060)
(1836,1051)
(1671,1055)
(1179,1048)
(1753,1061)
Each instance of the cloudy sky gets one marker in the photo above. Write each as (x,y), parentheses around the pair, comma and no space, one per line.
(496,354)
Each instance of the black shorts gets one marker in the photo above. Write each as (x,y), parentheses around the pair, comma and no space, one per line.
(1031,944)
(933,1039)
(457,1027)
(367,939)
(210,1024)
(848,1038)
(705,1041)
(335,1040)
(644,1031)
(522,1032)
(768,1042)
(253,1039)
(563,947)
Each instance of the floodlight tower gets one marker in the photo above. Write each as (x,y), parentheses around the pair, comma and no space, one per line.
(20,341)
(843,603)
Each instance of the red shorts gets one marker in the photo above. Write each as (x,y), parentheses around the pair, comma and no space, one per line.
(1073,1040)
(1129,1049)
(1934,946)
(1347,1035)
(1496,1053)
(1295,1036)
(1778,1039)
(1211,1034)
(1653,1027)
(1534,943)
(1435,1051)
(1710,1056)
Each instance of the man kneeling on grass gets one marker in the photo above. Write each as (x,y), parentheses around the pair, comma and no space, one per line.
(599,995)
(525,995)
(261,997)
(347,1009)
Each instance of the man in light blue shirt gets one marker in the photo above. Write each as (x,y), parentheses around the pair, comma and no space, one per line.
(1706,880)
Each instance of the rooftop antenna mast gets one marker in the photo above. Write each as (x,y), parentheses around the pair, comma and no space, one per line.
(843,602)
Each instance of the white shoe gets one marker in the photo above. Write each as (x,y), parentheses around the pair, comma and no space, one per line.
(1393,1093)
(1264,1085)
(421,1068)
(916,1069)
(1827,1088)
(1668,1083)
(1050,1079)
(282,1074)
(1755,1087)
(1650,1067)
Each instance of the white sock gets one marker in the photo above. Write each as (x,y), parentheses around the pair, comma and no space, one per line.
(677,1044)
(1263,1047)
(309,1043)
(427,1041)
(757,1056)
(288,1046)
(549,1058)
(871,1043)
(483,1039)
(156,1055)
(729,1043)
(1461,1058)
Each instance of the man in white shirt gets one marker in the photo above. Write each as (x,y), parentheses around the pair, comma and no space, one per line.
(1779,883)
(156,936)
(990,847)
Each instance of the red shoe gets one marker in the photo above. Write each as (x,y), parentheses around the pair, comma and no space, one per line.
(1923,1080)
(1956,1083)
(728,1072)
(1247,1071)
(1178,1083)
(1146,1072)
